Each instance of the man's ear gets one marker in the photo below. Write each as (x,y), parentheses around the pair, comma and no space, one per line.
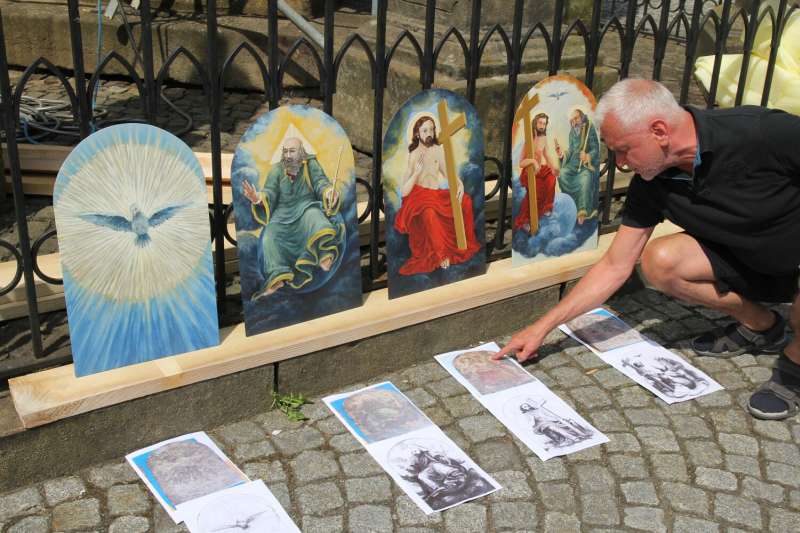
(660,131)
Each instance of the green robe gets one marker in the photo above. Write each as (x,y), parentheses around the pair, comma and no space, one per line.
(578,180)
(297,233)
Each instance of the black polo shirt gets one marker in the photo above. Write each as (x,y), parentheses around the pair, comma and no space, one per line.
(744,195)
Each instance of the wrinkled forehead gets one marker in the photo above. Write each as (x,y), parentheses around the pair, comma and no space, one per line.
(291,143)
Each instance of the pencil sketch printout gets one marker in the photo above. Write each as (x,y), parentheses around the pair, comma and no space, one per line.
(434,472)
(184,468)
(650,365)
(555,171)
(250,508)
(602,331)
(433,187)
(293,180)
(539,418)
(131,212)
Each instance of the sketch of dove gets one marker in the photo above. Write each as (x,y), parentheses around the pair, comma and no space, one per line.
(557,96)
(243,524)
(138,224)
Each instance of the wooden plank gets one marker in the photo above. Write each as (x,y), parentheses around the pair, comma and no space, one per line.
(55,394)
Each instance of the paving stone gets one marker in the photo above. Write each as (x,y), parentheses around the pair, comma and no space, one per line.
(669,467)
(555,522)
(713,478)
(78,514)
(241,432)
(646,417)
(645,519)
(682,497)
(514,486)
(316,411)
(557,496)
(445,388)
(295,441)
(359,465)
(127,500)
(608,420)
(591,397)
(689,427)
(129,524)
(424,373)
(782,452)
(268,472)
(415,530)
(466,518)
(741,464)
(462,406)
(773,429)
(640,492)
(408,513)
(754,488)
(629,466)
(331,426)
(318,498)
(31,524)
(727,420)
(633,397)
(783,473)
(421,398)
(368,489)
(600,509)
(744,360)
(738,510)
(344,443)
(20,503)
(731,380)
(481,427)
(687,524)
(63,489)
(703,453)
(568,377)
(587,359)
(253,450)
(162,523)
(594,478)
(514,515)
(327,524)
(757,374)
(715,399)
(595,454)
(312,465)
(611,378)
(657,438)
(275,420)
(622,442)
(375,518)
(738,444)
(111,474)
(439,416)
(781,520)
(496,455)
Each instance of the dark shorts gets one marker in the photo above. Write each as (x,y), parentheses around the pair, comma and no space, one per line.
(732,275)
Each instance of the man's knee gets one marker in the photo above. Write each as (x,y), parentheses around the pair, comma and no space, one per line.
(659,264)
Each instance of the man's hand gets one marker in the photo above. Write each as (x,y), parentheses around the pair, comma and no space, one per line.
(525,163)
(250,192)
(524,344)
(584,158)
(559,153)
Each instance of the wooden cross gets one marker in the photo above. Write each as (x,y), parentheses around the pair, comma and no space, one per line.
(448,129)
(524,114)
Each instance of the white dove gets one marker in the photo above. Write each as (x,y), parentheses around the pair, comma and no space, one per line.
(139,223)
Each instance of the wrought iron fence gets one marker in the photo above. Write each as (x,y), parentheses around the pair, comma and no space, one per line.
(628,22)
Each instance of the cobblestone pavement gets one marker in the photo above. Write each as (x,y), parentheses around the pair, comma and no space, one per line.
(697,466)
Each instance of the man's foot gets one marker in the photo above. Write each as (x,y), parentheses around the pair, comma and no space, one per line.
(445,264)
(779,397)
(266,291)
(326,263)
(736,339)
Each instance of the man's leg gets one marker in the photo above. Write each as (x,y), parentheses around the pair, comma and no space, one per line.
(678,266)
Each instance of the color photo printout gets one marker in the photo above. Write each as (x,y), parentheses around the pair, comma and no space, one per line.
(649,364)
(434,472)
(248,507)
(184,468)
(539,418)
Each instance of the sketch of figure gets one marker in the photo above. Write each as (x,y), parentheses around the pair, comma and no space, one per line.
(668,376)
(490,376)
(560,431)
(382,412)
(237,513)
(441,479)
(603,331)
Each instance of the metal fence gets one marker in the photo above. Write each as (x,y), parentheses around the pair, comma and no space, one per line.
(664,23)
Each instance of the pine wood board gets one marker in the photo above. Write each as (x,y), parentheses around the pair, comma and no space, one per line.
(55,394)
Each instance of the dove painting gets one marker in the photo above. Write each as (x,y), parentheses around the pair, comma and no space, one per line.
(132,219)
(293,180)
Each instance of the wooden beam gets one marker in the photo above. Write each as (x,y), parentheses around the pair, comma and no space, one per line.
(56,393)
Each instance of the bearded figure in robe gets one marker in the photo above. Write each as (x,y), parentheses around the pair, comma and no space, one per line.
(545,166)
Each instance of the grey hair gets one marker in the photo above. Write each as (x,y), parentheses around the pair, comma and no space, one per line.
(634,101)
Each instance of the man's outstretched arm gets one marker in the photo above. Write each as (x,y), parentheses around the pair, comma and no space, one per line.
(602,280)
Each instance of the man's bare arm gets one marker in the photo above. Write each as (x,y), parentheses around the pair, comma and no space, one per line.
(602,280)
(412,172)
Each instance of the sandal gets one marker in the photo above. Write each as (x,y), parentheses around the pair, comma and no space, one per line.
(775,400)
(736,339)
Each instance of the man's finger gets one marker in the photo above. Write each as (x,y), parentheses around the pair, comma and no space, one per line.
(502,353)
(524,354)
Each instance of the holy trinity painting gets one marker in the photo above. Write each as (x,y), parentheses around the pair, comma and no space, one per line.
(131,212)
(434,193)
(555,171)
(294,198)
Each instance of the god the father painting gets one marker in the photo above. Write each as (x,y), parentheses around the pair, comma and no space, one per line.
(294,202)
